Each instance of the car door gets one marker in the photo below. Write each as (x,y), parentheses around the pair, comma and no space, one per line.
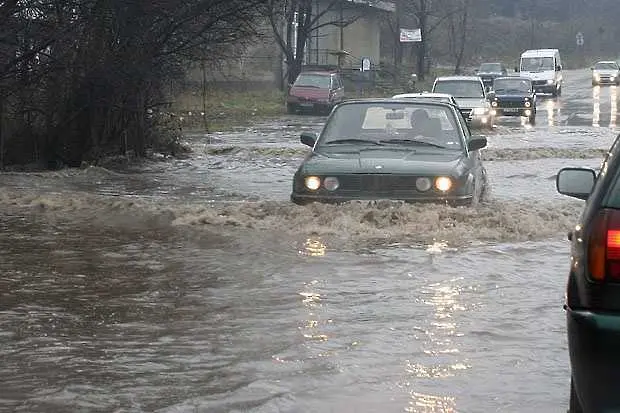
(474,158)
(339,90)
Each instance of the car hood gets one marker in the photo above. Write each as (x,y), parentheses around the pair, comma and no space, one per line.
(513,96)
(605,72)
(381,161)
(470,103)
(309,92)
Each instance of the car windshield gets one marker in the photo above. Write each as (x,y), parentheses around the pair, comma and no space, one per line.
(460,88)
(512,85)
(392,123)
(312,80)
(536,64)
(606,66)
(490,67)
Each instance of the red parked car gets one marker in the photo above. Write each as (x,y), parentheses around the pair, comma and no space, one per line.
(315,91)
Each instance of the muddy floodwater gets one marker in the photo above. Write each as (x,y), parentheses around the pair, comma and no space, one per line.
(195,285)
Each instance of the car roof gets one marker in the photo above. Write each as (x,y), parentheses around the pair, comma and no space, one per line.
(606,61)
(513,77)
(469,78)
(491,63)
(419,102)
(423,95)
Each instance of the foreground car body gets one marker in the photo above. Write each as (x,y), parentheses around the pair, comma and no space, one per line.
(392,149)
(606,73)
(315,91)
(513,96)
(593,287)
(470,96)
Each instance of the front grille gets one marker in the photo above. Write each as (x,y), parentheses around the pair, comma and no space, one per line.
(511,104)
(377,183)
(539,82)
(466,112)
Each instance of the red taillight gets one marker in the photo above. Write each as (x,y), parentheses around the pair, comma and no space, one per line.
(604,246)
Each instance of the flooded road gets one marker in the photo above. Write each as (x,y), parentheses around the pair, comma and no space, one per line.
(196,286)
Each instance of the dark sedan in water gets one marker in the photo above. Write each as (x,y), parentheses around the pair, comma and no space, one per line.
(513,96)
(593,288)
(369,149)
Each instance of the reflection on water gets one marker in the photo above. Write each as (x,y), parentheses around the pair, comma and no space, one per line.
(442,351)
(551,106)
(314,247)
(596,105)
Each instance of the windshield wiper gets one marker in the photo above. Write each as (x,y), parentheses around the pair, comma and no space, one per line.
(352,140)
(413,142)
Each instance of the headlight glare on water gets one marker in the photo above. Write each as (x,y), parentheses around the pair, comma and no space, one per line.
(312,182)
(423,184)
(443,183)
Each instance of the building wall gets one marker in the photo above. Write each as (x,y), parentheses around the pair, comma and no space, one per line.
(362,38)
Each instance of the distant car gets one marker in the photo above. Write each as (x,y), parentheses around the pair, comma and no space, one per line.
(471,97)
(441,97)
(489,71)
(513,96)
(409,150)
(315,91)
(593,287)
(606,73)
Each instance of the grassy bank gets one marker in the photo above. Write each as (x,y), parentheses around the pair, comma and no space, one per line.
(223,110)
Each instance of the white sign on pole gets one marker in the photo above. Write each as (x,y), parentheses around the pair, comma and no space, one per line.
(365,64)
(409,35)
(579,38)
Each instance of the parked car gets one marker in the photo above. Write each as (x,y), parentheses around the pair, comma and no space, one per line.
(489,71)
(441,97)
(471,97)
(410,150)
(315,91)
(605,72)
(593,289)
(513,96)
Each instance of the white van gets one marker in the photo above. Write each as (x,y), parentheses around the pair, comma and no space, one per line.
(544,67)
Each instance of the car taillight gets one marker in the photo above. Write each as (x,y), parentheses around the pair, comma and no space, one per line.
(604,246)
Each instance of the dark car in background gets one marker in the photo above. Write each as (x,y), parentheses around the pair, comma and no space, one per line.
(513,96)
(592,301)
(411,150)
(315,91)
(489,71)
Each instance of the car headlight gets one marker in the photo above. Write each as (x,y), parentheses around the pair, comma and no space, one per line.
(597,76)
(312,182)
(494,103)
(423,184)
(331,183)
(479,111)
(612,78)
(443,183)
(528,104)
(550,81)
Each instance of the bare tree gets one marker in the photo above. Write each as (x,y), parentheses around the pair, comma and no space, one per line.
(458,31)
(294,21)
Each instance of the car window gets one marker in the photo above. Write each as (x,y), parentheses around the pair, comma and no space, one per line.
(313,80)
(606,66)
(380,122)
(490,67)
(460,88)
(533,64)
(512,85)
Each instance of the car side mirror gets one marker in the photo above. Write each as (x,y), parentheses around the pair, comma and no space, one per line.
(575,182)
(591,68)
(516,69)
(476,142)
(476,70)
(308,138)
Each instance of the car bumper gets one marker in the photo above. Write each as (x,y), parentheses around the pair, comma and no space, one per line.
(594,349)
(480,121)
(513,111)
(545,88)
(455,200)
(605,81)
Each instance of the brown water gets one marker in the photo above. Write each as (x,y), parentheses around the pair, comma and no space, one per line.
(196,286)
